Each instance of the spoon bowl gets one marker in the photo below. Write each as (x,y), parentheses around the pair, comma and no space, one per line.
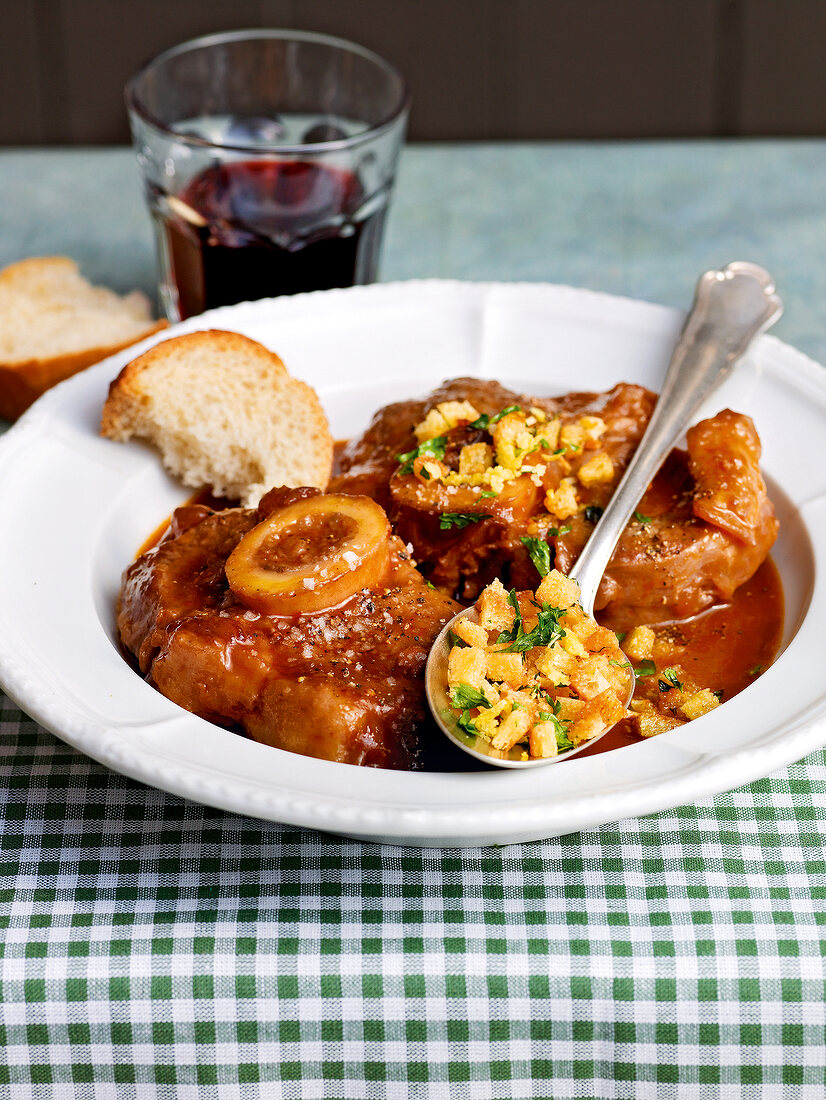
(473,744)
(731,307)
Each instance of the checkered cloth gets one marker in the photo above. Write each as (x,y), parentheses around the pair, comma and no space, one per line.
(156,948)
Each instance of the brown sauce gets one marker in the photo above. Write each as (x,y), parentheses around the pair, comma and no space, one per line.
(725,648)
(154,538)
(204,497)
(338,451)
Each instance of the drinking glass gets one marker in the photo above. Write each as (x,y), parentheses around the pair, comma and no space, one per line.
(268,158)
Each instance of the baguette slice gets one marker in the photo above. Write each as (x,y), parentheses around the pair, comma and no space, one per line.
(54,323)
(224,412)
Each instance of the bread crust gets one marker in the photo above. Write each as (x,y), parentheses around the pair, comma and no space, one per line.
(293,445)
(125,390)
(33,282)
(23,271)
(21,383)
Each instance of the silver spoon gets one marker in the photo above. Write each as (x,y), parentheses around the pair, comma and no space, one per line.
(731,307)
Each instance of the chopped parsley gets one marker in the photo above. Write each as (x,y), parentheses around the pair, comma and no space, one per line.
(540,554)
(757,670)
(465,722)
(431,448)
(484,422)
(718,694)
(459,519)
(563,741)
(556,532)
(487,493)
(546,632)
(516,629)
(466,697)
(560,725)
(668,680)
(646,668)
(640,518)
(593,512)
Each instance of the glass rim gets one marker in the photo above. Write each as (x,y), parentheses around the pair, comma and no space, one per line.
(137,107)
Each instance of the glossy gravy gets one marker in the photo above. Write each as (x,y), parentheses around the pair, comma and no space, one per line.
(725,648)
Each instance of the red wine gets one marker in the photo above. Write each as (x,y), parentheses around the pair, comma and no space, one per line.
(257,229)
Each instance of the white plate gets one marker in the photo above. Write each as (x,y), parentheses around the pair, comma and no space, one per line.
(76,507)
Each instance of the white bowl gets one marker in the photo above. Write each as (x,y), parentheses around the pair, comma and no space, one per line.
(77,507)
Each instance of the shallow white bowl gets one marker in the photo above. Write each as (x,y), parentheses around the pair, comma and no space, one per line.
(76,508)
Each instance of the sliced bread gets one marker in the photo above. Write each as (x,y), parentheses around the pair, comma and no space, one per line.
(224,413)
(54,323)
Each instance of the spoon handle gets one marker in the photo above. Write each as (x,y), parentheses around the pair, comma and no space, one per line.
(730,308)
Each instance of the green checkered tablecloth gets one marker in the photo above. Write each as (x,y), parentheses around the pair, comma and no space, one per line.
(155,948)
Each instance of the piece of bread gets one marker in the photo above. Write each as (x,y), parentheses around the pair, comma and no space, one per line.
(54,323)
(224,412)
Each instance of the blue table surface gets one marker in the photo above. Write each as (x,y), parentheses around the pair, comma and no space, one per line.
(638,219)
